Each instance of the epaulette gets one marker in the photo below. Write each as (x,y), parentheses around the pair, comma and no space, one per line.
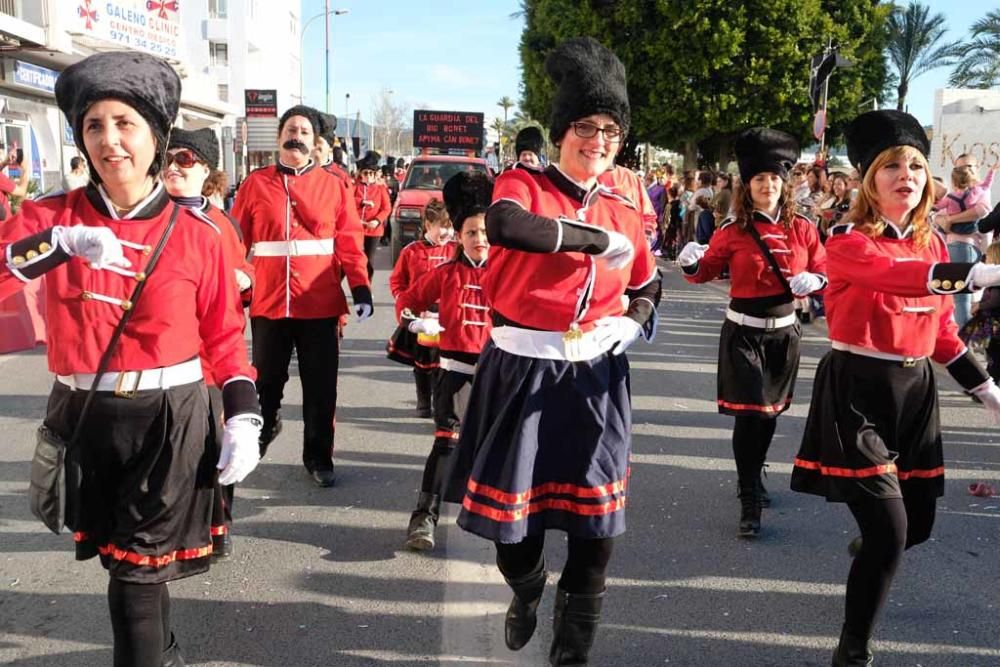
(199,214)
(613,194)
(234,223)
(50,195)
(842,228)
(726,223)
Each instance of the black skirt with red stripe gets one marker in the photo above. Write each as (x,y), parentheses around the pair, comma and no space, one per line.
(544,444)
(402,347)
(757,369)
(873,431)
(148,468)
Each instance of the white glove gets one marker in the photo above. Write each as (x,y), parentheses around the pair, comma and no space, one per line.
(989,395)
(805,283)
(430,326)
(619,251)
(691,254)
(362,311)
(97,245)
(240,449)
(985,275)
(243,280)
(622,329)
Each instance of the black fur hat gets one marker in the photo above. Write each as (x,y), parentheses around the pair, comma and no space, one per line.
(313,115)
(329,127)
(467,194)
(202,143)
(871,133)
(761,149)
(369,161)
(528,139)
(589,79)
(142,81)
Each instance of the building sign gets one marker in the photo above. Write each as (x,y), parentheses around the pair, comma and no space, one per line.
(448,129)
(34,76)
(152,26)
(260,103)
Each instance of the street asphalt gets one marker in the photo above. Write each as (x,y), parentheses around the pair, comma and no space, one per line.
(319,576)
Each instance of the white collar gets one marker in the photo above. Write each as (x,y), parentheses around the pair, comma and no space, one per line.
(136,210)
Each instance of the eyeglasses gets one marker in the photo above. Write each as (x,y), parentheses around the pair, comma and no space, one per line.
(588,130)
(184,159)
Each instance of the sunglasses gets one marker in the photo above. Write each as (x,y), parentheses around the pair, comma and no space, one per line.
(184,159)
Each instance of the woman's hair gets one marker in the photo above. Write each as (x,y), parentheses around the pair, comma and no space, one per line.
(840,176)
(963,178)
(817,173)
(993,253)
(434,213)
(727,177)
(742,205)
(865,213)
(217,182)
(675,190)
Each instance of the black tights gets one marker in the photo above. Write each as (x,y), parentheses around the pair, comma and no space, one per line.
(751,439)
(140,621)
(586,564)
(888,527)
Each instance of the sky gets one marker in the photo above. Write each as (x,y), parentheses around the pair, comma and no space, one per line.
(455,55)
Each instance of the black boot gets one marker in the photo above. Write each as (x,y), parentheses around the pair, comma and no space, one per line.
(420,533)
(574,626)
(520,622)
(749,510)
(852,651)
(425,389)
(765,497)
(172,656)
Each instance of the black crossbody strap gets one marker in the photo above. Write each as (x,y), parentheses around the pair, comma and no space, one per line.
(770,258)
(109,351)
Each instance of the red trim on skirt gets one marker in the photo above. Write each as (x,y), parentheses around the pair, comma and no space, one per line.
(392,349)
(874,471)
(549,488)
(769,409)
(442,433)
(509,516)
(144,560)
(219,530)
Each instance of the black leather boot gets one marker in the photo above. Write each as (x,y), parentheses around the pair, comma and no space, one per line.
(852,651)
(520,622)
(425,391)
(765,497)
(574,626)
(420,533)
(749,510)
(172,656)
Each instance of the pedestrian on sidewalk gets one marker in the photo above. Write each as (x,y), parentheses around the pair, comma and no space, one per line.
(302,227)
(546,436)
(774,255)
(142,498)
(873,436)
(463,326)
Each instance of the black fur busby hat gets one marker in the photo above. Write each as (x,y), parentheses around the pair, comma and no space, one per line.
(144,82)
(467,194)
(589,79)
(529,139)
(202,143)
(314,116)
(369,161)
(761,149)
(328,129)
(871,133)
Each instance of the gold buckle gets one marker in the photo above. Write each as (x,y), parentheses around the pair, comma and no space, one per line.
(909,362)
(127,385)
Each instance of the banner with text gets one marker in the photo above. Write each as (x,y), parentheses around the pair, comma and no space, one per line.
(448,129)
(153,26)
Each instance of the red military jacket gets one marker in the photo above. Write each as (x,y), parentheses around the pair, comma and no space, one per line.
(340,172)
(551,291)
(303,232)
(628,184)
(462,310)
(416,259)
(373,205)
(188,304)
(795,250)
(882,294)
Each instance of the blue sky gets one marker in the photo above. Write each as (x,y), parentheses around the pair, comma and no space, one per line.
(462,56)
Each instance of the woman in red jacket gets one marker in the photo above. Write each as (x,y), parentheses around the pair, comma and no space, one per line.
(146,484)
(463,323)
(372,200)
(773,256)
(873,437)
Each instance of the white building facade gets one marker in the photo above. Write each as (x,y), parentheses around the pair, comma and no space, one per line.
(966,121)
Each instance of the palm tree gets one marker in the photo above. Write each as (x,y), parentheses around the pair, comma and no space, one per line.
(915,46)
(507,104)
(979,59)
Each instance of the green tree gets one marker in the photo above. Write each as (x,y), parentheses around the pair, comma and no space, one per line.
(915,45)
(979,58)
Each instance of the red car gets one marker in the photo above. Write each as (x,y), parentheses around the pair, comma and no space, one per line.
(425,177)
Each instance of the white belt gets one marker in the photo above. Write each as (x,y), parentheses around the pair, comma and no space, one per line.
(548,344)
(766,323)
(875,354)
(296,248)
(457,366)
(126,383)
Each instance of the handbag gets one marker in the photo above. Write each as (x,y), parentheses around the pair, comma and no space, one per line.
(56,472)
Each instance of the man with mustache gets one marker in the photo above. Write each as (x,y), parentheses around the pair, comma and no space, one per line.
(300,224)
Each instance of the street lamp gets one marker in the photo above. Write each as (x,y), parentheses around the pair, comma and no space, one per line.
(302,38)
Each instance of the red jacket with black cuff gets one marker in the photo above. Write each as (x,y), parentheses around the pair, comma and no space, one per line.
(416,259)
(626,182)
(303,232)
(372,200)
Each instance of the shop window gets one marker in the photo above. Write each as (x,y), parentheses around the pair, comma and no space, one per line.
(218,53)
